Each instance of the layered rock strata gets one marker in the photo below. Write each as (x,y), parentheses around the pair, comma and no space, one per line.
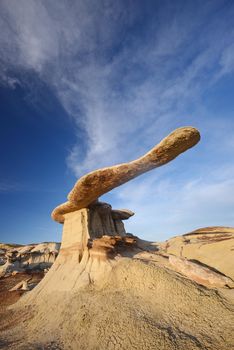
(210,247)
(16,258)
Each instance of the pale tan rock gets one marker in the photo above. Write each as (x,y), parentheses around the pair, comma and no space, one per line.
(121,214)
(9,267)
(22,285)
(118,292)
(91,186)
(18,258)
(46,246)
(25,249)
(14,273)
(82,258)
(200,274)
(86,255)
(212,246)
(108,291)
(141,305)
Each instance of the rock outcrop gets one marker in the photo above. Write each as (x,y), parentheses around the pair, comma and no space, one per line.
(20,258)
(22,285)
(125,293)
(211,247)
(123,297)
(110,290)
(86,219)
(202,275)
(91,186)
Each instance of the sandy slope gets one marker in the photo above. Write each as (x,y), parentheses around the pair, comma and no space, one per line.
(143,306)
(137,300)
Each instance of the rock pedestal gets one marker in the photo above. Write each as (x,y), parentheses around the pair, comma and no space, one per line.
(92,238)
(93,233)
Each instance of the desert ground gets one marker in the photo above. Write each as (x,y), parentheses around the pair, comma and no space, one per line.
(169,295)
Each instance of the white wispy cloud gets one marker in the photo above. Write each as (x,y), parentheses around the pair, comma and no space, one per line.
(143,85)
(124,88)
(226,60)
(165,207)
(6,186)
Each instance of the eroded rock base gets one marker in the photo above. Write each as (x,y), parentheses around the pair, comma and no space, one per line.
(142,306)
(119,292)
(86,256)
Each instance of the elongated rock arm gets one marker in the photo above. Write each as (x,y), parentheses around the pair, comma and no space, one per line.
(110,290)
(94,237)
(91,186)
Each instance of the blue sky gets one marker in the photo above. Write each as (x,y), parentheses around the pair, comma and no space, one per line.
(87,84)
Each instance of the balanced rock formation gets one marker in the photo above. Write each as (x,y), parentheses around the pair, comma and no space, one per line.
(86,219)
(110,290)
(93,185)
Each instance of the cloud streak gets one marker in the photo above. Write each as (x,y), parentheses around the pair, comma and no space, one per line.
(6,187)
(165,207)
(124,80)
(111,81)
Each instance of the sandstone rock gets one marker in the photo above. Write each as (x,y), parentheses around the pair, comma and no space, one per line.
(110,290)
(81,257)
(9,267)
(17,258)
(90,246)
(139,303)
(22,285)
(200,274)
(121,214)
(212,246)
(14,273)
(51,247)
(91,186)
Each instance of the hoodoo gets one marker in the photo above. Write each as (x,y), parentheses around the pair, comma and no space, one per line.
(91,186)
(109,290)
(93,233)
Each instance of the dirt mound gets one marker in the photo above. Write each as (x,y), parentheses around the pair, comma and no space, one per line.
(142,305)
(119,292)
(9,317)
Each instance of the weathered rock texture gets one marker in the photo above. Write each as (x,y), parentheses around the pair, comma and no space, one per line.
(211,247)
(200,274)
(81,260)
(16,258)
(124,293)
(86,255)
(91,186)
(22,285)
(110,290)
(139,302)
